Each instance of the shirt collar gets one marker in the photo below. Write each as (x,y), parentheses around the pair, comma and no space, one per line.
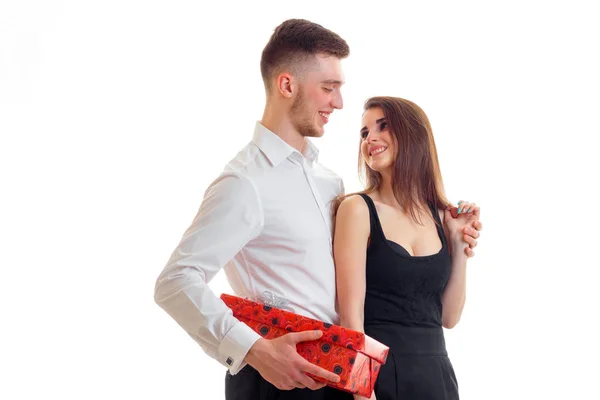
(276,150)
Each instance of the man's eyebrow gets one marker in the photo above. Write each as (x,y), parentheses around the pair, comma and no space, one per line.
(333,82)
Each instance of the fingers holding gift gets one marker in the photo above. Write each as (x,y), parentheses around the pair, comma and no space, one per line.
(305,381)
(320,372)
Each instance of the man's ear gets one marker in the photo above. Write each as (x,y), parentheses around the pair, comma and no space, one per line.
(285,84)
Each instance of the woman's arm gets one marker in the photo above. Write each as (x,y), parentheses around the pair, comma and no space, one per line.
(454,296)
(351,235)
(352,229)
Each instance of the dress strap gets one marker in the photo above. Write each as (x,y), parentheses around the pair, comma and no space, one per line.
(376,229)
(439,224)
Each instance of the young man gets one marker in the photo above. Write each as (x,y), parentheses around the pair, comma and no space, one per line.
(266,219)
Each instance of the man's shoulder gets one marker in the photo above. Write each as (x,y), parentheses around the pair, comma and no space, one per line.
(245,161)
(238,174)
(329,172)
(333,178)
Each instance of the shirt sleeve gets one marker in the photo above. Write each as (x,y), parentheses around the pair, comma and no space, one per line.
(342,189)
(229,217)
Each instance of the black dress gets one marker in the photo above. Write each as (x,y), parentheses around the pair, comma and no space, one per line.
(403,309)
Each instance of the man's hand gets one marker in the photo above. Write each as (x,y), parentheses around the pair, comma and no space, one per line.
(280,364)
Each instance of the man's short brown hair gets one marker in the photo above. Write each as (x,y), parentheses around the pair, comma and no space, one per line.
(293,42)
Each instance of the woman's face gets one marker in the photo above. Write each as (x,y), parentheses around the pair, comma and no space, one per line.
(377,146)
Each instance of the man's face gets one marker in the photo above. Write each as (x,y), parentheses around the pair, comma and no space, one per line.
(317,96)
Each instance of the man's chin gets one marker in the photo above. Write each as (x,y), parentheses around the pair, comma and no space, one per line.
(311,130)
(313,134)
(317,132)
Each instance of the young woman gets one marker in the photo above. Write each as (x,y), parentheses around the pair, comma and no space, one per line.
(400,256)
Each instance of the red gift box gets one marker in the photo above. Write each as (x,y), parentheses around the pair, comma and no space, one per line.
(354,356)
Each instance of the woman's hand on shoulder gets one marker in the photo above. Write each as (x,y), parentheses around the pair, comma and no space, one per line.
(463,225)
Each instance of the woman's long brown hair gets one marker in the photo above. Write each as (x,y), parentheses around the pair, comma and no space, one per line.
(416,177)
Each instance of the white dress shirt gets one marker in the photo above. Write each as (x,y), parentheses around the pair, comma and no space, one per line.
(267,220)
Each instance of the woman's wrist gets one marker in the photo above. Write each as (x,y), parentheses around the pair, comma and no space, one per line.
(458,246)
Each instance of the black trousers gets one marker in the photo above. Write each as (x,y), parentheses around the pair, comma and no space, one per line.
(248,384)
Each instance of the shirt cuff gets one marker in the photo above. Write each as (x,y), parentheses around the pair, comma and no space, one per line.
(235,345)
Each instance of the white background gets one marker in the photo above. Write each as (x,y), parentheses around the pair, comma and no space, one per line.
(116,115)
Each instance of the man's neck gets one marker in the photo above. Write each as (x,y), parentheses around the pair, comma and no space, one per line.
(278,123)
